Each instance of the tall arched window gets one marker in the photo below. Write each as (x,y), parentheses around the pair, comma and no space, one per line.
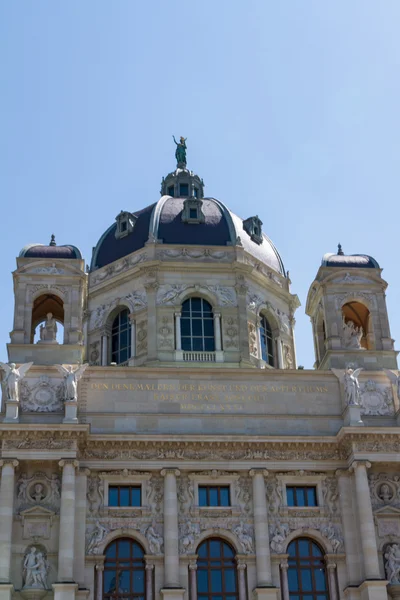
(124,571)
(121,338)
(307,573)
(197,326)
(216,571)
(267,341)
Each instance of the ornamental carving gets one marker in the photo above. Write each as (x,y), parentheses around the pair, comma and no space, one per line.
(274,494)
(95,494)
(192,253)
(135,300)
(43,396)
(94,353)
(141,337)
(29,443)
(287,357)
(384,489)
(168,294)
(226,295)
(392,563)
(166,338)
(341,299)
(376,399)
(253,347)
(243,489)
(155,494)
(35,570)
(330,494)
(119,267)
(244,534)
(185,495)
(188,534)
(231,333)
(96,534)
(38,490)
(279,532)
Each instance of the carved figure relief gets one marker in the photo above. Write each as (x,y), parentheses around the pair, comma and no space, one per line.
(330,493)
(192,253)
(35,568)
(94,353)
(185,495)
(189,532)
(278,533)
(392,564)
(155,494)
(253,347)
(384,489)
(39,489)
(165,331)
(244,535)
(274,494)
(351,335)
(142,337)
(287,357)
(95,494)
(43,396)
(156,541)
(96,537)
(243,494)
(376,400)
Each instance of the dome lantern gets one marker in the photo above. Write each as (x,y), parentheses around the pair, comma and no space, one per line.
(182,183)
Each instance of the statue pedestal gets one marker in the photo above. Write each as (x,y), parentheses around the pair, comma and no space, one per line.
(33,593)
(374,589)
(6,591)
(172,593)
(71,409)
(65,591)
(12,412)
(48,342)
(266,593)
(352,416)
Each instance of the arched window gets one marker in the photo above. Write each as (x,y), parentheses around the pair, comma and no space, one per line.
(121,338)
(216,571)
(357,327)
(124,571)
(267,341)
(197,326)
(306,574)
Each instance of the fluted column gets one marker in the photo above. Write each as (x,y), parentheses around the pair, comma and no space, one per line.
(241,567)
(7,489)
(366,521)
(171,536)
(217,331)
(284,579)
(193,580)
(331,569)
(280,353)
(104,349)
(178,339)
(80,526)
(263,556)
(149,581)
(67,522)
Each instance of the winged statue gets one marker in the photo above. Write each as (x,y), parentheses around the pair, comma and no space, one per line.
(71,378)
(395,379)
(13,377)
(349,378)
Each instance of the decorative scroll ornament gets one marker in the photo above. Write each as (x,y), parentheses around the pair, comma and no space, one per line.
(43,396)
(117,268)
(375,400)
(190,254)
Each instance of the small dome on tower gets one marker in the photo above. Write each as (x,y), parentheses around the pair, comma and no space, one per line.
(356,261)
(50,251)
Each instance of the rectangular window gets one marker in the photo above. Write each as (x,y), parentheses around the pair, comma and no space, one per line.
(171,191)
(124,495)
(184,189)
(214,495)
(301,496)
(193,213)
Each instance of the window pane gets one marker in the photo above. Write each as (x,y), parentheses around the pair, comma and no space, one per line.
(185,326)
(224,497)
(136,496)
(311,497)
(230,581)
(202,580)
(197,344)
(202,550)
(303,547)
(112,496)
(196,304)
(228,552)
(184,189)
(208,327)
(111,550)
(109,581)
(186,343)
(123,340)
(213,496)
(290,496)
(197,327)
(300,497)
(216,581)
(209,344)
(124,581)
(124,549)
(316,551)
(320,582)
(138,581)
(215,548)
(124,496)
(306,582)
(186,307)
(202,500)
(293,580)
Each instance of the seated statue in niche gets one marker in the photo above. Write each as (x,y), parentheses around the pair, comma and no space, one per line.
(48,330)
(351,335)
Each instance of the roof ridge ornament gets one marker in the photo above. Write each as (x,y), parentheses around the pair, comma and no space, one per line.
(53,240)
(180,152)
(339,250)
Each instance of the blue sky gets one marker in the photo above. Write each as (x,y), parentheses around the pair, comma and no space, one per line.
(291,110)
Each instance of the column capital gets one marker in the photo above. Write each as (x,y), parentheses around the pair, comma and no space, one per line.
(132,317)
(13,462)
(217,315)
(330,565)
(68,461)
(343,473)
(359,463)
(193,565)
(284,565)
(100,567)
(241,565)
(262,472)
(177,313)
(84,471)
(165,472)
(149,567)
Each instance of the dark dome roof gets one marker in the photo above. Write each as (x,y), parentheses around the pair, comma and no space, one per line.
(163,221)
(356,261)
(51,251)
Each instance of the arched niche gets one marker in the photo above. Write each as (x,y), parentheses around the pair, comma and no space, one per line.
(41,307)
(357,325)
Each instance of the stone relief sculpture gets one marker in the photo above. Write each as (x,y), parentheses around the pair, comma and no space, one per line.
(155,494)
(43,396)
(48,330)
(392,564)
(384,489)
(376,400)
(95,495)
(351,334)
(243,495)
(245,538)
(188,535)
(185,495)
(332,534)
(330,493)
(395,380)
(155,540)
(97,536)
(278,533)
(287,357)
(71,378)
(39,489)
(274,494)
(349,378)
(35,569)
(13,378)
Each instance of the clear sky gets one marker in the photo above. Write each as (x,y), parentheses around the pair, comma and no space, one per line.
(291,109)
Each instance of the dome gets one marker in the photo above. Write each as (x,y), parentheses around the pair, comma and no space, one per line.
(356,261)
(164,221)
(50,251)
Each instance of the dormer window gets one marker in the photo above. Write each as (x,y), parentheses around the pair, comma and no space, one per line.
(125,224)
(192,211)
(184,190)
(196,192)
(171,191)
(253,226)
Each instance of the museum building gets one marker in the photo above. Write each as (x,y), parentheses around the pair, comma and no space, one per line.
(158,438)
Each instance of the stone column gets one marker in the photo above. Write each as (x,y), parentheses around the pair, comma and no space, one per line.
(171,536)
(366,521)
(241,291)
(349,526)
(133,335)
(80,526)
(241,567)
(67,522)
(151,288)
(99,581)
(217,331)
(331,570)
(193,580)
(104,349)
(149,581)
(263,557)
(284,579)
(7,491)
(279,352)
(178,340)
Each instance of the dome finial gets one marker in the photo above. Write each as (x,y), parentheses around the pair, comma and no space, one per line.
(180,152)
(339,250)
(53,240)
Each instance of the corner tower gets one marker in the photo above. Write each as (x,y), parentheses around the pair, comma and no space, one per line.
(347,307)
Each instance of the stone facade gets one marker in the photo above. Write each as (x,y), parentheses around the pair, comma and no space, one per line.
(173,421)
